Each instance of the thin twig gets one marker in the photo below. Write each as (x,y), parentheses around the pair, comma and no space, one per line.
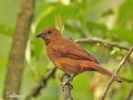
(98,40)
(115,74)
(43,82)
(67,88)
(127,80)
(129,94)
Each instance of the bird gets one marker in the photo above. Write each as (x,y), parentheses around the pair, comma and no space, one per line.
(69,56)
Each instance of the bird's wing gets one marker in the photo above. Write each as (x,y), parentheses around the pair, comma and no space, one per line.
(74,51)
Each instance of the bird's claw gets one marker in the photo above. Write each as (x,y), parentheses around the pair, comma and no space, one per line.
(66,83)
(64,75)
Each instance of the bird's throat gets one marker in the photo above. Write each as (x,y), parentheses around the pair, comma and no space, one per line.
(46,41)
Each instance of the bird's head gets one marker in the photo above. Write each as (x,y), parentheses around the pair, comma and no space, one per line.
(49,34)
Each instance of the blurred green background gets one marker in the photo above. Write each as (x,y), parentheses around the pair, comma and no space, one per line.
(111,20)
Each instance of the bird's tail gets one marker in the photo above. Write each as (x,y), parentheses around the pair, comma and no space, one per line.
(97,67)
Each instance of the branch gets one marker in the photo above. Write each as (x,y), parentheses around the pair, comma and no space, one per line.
(17,52)
(67,88)
(115,74)
(35,91)
(127,80)
(98,40)
(129,94)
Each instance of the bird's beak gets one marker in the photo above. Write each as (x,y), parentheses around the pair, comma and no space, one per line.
(40,35)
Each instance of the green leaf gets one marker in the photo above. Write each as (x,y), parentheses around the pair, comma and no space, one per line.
(108,12)
(125,13)
(123,34)
(48,19)
(58,22)
(93,26)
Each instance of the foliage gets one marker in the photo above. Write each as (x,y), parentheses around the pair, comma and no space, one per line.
(109,20)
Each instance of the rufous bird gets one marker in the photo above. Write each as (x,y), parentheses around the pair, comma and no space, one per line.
(68,55)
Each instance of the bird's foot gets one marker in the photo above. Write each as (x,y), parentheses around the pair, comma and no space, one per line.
(64,75)
(67,82)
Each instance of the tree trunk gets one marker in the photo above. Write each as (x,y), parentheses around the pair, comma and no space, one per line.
(17,53)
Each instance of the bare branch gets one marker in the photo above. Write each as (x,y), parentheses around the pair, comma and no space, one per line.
(35,91)
(129,94)
(67,88)
(98,40)
(115,74)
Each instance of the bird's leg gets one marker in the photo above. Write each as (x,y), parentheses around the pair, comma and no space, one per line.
(63,84)
(64,75)
(68,81)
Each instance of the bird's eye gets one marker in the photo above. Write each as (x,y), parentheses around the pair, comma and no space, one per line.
(49,32)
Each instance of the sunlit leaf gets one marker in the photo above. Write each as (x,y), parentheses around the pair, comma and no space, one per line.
(125,13)
(58,23)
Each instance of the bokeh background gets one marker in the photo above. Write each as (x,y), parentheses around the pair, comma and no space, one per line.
(110,20)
